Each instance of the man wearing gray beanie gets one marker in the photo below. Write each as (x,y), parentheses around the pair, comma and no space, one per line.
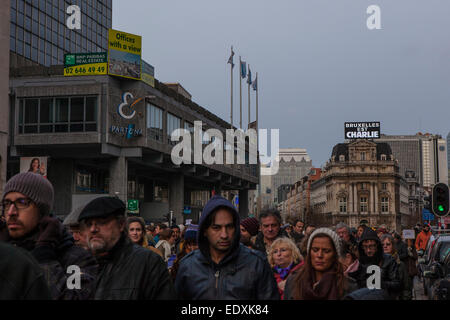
(26,204)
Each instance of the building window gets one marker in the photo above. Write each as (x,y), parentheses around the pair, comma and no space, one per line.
(155,122)
(363,186)
(383,157)
(341,157)
(189,127)
(173,123)
(48,115)
(363,204)
(363,156)
(384,186)
(343,205)
(90,180)
(384,204)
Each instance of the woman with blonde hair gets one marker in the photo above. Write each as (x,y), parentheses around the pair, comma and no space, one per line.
(284,258)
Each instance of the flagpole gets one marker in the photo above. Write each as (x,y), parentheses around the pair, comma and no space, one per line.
(240,92)
(248,82)
(257,124)
(231,101)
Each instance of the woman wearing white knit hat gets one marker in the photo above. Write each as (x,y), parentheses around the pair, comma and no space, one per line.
(322,276)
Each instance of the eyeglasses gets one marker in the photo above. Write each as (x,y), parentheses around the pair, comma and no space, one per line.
(21,203)
(387,244)
(371,246)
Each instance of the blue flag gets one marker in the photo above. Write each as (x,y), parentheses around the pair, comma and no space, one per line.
(255,83)
(249,78)
(243,69)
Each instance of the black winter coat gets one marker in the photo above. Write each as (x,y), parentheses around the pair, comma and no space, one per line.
(131,272)
(245,275)
(242,274)
(390,278)
(55,263)
(21,278)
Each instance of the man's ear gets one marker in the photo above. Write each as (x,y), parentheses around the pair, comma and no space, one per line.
(122,224)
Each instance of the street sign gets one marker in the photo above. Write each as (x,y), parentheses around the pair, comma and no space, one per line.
(427,215)
(408,234)
(133,206)
(85,64)
(187,210)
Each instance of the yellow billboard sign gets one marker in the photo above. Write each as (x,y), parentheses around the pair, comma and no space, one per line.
(124,58)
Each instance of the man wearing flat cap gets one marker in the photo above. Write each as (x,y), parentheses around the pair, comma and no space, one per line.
(26,204)
(126,271)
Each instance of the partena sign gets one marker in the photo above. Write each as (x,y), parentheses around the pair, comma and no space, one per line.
(362,130)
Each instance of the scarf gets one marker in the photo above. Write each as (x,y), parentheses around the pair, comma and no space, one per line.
(325,289)
(283,272)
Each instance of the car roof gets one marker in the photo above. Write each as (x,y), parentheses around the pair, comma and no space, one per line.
(443,237)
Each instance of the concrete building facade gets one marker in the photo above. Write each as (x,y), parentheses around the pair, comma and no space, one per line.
(424,154)
(293,164)
(4,90)
(93,150)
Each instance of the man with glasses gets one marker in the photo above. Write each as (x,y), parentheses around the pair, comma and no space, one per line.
(26,204)
(371,253)
(126,271)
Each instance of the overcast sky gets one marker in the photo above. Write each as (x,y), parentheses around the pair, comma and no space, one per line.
(318,63)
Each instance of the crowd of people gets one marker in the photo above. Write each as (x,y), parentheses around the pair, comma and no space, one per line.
(222,258)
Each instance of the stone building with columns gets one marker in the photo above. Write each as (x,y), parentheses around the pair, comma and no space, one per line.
(361,184)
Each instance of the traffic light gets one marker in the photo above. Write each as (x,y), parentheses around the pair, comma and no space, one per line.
(440,200)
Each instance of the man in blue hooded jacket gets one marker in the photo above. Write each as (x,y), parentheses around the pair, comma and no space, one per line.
(222,268)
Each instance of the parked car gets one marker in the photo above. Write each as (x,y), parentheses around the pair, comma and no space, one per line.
(440,272)
(436,254)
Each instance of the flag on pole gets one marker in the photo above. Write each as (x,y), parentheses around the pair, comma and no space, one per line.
(230,59)
(255,83)
(243,69)
(249,78)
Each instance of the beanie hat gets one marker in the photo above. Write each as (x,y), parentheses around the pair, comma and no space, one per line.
(191,232)
(251,225)
(35,187)
(333,235)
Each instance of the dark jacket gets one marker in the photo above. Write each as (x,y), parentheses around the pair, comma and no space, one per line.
(259,241)
(350,285)
(21,278)
(402,250)
(243,274)
(131,272)
(390,280)
(56,261)
(297,237)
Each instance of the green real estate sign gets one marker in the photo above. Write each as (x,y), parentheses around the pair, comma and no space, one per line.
(85,64)
(133,206)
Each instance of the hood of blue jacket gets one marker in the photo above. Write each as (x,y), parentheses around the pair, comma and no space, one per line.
(214,203)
